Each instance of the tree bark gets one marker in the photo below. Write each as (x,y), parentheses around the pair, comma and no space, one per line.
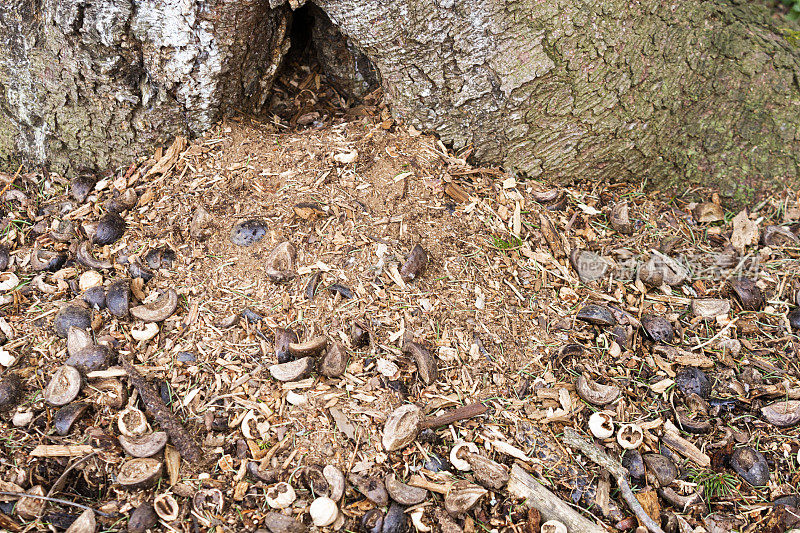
(672,93)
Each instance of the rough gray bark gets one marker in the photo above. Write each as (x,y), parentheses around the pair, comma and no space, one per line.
(674,93)
(95,83)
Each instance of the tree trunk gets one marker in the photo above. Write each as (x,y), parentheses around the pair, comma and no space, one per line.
(674,93)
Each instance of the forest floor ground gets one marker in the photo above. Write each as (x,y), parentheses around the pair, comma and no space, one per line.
(497,307)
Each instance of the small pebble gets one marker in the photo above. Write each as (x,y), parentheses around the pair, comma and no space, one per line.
(248,232)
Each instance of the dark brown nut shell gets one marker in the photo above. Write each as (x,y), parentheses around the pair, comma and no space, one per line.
(415,265)
(309,348)
(596,393)
(751,466)
(118,298)
(488,473)
(109,229)
(279,523)
(144,445)
(158,310)
(334,363)
(122,202)
(427,367)
(140,473)
(620,218)
(5,258)
(658,329)
(143,518)
(10,392)
(46,259)
(95,297)
(598,315)
(283,338)
(359,334)
(63,387)
(372,488)
(248,232)
(748,294)
(662,470)
(90,358)
(66,417)
(81,187)
(71,315)
(402,493)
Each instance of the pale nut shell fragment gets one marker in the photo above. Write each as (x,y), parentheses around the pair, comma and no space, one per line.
(281,495)
(8,281)
(553,526)
(323,511)
(402,427)
(336,482)
(416,519)
(630,436)
(132,422)
(455,458)
(601,425)
(166,507)
(158,310)
(146,332)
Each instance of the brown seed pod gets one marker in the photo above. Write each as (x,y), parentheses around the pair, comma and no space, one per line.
(488,473)
(309,348)
(402,493)
(415,265)
(334,362)
(85,257)
(427,368)
(283,338)
(748,294)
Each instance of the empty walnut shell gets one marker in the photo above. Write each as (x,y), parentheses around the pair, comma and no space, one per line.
(85,257)
(598,315)
(283,338)
(109,229)
(336,482)
(596,393)
(293,370)
(71,315)
(488,473)
(751,465)
(334,362)
(402,493)
(145,445)
(748,294)
(620,219)
(166,507)
(118,298)
(402,427)
(708,212)
(777,236)
(66,417)
(280,496)
(427,368)
(415,265)
(41,260)
(280,263)
(589,266)
(132,422)
(782,414)
(309,348)
(462,497)
(158,310)
(140,473)
(63,387)
(210,500)
(658,329)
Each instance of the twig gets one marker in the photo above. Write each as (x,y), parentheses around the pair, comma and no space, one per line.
(13,179)
(459,413)
(53,500)
(718,335)
(616,469)
(522,485)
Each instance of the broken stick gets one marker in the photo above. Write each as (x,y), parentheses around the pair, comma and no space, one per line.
(459,413)
(616,469)
(522,485)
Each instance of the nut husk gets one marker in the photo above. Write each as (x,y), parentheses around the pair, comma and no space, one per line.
(595,393)
(402,427)
(462,497)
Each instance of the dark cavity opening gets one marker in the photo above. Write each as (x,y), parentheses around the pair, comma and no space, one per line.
(323,75)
